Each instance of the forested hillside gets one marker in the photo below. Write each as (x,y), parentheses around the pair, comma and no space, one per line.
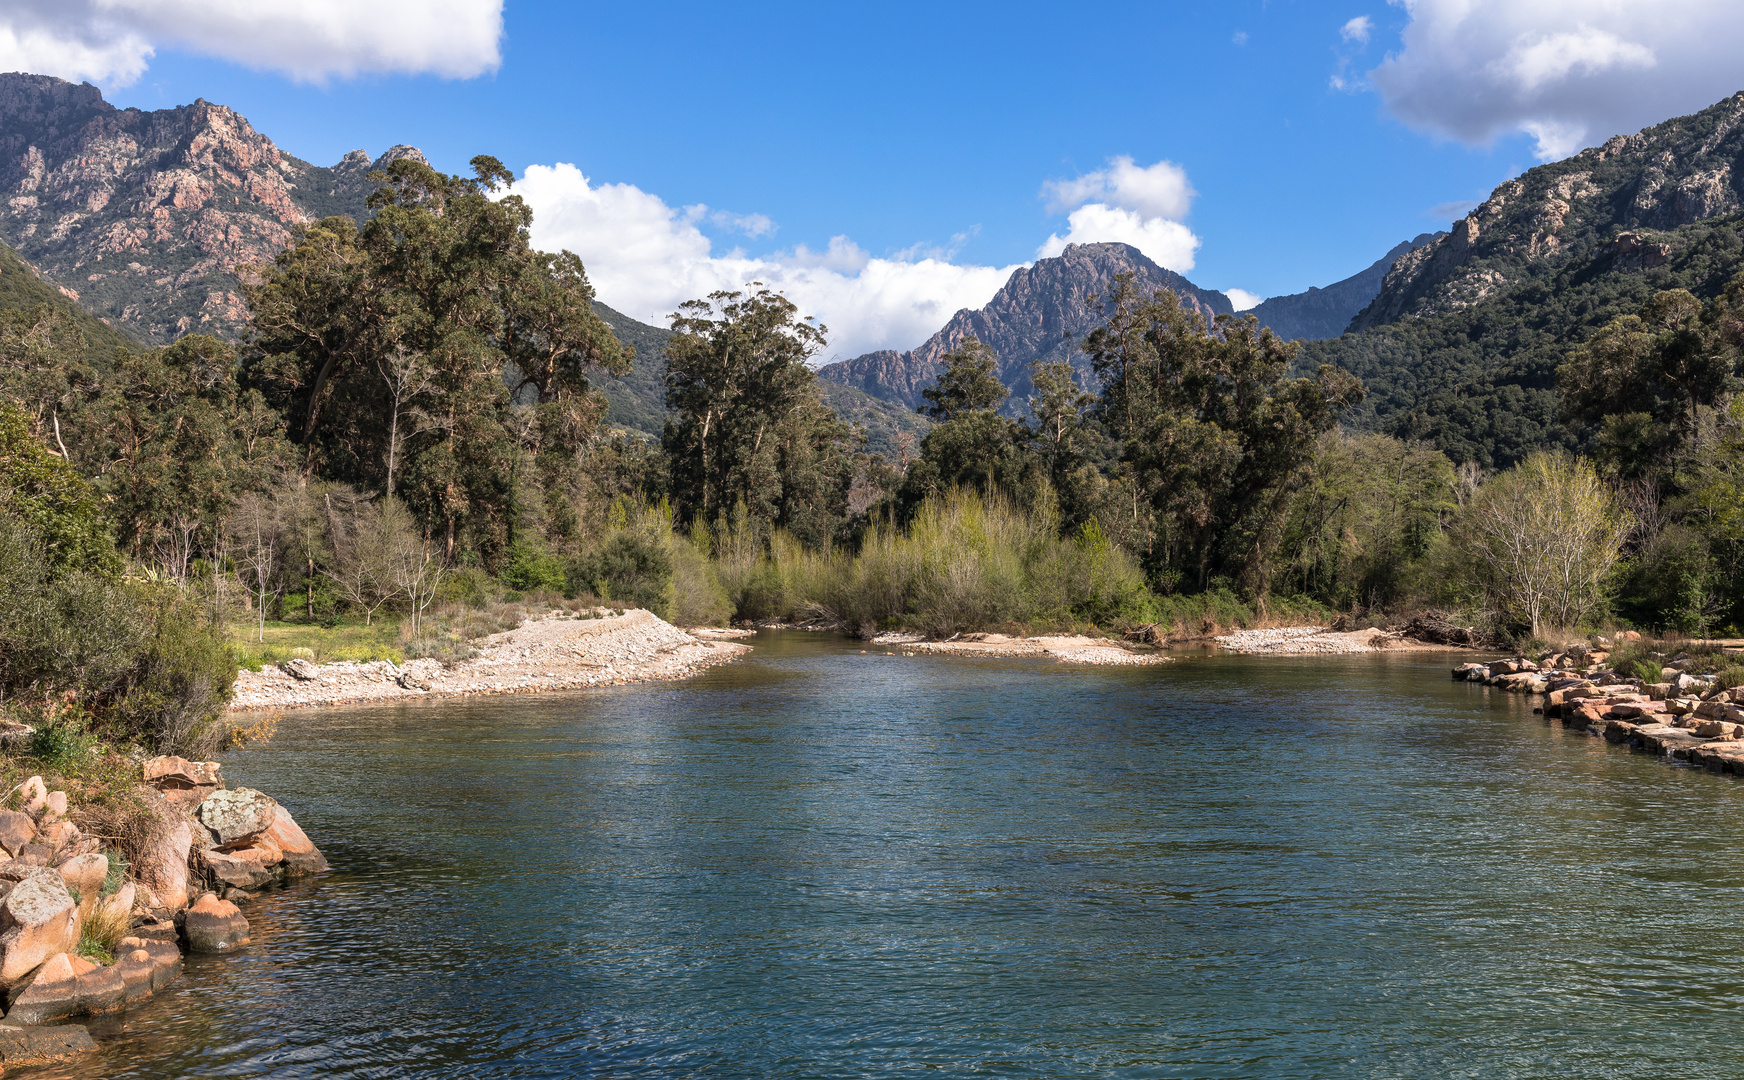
(1479,383)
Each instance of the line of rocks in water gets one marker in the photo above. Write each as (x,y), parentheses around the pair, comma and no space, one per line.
(207,846)
(1690,718)
(553,652)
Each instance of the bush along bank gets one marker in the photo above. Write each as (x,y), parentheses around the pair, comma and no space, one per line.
(89,923)
(1691,718)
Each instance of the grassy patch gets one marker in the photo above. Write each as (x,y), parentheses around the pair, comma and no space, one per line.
(286,641)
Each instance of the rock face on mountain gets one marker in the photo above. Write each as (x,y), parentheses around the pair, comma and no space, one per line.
(1325,313)
(1042,314)
(145,216)
(1614,197)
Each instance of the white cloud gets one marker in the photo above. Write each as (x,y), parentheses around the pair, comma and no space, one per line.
(1570,73)
(110,42)
(1128,204)
(1169,244)
(752,225)
(1159,190)
(1240,38)
(1241,299)
(1358,29)
(645,258)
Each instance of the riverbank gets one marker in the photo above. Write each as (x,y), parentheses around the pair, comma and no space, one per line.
(1063,648)
(557,651)
(1687,718)
(1293,640)
(105,885)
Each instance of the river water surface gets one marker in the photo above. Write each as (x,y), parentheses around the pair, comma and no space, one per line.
(824,863)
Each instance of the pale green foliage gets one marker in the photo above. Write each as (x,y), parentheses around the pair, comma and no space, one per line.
(1540,541)
(966,562)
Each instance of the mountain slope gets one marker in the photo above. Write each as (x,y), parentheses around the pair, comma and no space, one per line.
(145,216)
(1326,313)
(1040,315)
(22,288)
(637,401)
(1682,171)
(1480,383)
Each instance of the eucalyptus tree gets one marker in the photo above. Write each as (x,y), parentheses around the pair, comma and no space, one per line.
(402,350)
(1215,435)
(748,425)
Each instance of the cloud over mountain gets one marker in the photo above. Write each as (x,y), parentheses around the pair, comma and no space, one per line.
(111,42)
(1570,73)
(1130,204)
(646,257)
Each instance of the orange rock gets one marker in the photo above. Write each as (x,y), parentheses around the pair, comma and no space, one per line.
(215,926)
(37,920)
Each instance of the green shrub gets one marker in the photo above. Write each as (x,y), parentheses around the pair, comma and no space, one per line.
(532,567)
(63,742)
(628,567)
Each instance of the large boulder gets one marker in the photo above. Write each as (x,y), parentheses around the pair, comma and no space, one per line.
(162,865)
(214,926)
(183,782)
(32,795)
(242,870)
(296,850)
(37,920)
(16,830)
(50,995)
(84,876)
(237,816)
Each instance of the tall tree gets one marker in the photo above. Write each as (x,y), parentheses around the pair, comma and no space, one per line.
(748,425)
(403,350)
(1215,436)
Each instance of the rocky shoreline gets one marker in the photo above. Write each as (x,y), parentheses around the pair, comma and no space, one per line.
(1685,718)
(559,651)
(90,924)
(1300,640)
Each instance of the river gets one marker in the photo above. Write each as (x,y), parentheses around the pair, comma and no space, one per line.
(820,862)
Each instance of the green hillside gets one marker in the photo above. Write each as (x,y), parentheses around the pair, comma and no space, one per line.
(1480,384)
(22,288)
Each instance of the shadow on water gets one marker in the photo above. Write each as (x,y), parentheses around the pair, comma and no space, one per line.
(822,862)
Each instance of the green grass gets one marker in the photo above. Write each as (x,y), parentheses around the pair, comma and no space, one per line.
(285,641)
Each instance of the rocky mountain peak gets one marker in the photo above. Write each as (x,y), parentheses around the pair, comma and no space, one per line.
(1684,170)
(1042,314)
(146,216)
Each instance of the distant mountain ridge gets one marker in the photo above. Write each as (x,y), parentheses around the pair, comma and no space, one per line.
(1685,170)
(144,217)
(1041,314)
(1327,312)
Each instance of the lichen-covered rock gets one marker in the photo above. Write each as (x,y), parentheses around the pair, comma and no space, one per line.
(237,816)
(214,926)
(37,920)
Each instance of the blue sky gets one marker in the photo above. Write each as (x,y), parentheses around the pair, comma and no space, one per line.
(931,131)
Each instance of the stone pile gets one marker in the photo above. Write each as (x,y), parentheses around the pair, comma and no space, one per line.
(552,652)
(209,843)
(1685,717)
(1292,640)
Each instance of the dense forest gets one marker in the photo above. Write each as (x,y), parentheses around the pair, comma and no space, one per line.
(415,426)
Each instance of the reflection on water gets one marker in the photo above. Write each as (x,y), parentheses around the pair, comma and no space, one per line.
(823,863)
